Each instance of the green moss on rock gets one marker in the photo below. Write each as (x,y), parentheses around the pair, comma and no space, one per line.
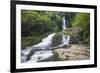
(57,39)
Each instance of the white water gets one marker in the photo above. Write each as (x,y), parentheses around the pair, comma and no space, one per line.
(46,43)
(63,23)
(65,39)
(39,55)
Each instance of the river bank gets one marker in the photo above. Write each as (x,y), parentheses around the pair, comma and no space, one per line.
(74,52)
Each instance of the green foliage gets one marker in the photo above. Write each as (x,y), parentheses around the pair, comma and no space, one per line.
(32,40)
(36,25)
(82,20)
(39,21)
(67,32)
(28,41)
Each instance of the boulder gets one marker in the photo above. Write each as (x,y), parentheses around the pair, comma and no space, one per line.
(57,40)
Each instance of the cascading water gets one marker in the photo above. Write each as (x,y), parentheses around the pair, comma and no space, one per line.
(39,55)
(63,23)
(44,52)
(65,38)
(46,42)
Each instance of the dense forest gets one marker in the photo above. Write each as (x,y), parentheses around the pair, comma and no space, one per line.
(35,25)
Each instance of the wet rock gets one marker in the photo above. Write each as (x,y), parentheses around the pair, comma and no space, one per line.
(57,39)
(62,46)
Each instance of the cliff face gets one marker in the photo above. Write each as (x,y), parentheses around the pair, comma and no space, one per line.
(75,52)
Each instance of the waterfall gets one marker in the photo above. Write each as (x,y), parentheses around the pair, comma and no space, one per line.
(42,51)
(63,23)
(39,55)
(65,38)
(46,42)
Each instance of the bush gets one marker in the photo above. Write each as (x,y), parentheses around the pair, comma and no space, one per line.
(82,20)
(29,41)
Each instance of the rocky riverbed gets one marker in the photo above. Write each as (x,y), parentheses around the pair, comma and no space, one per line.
(74,52)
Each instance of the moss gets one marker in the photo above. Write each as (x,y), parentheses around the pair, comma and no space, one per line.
(56,55)
(57,39)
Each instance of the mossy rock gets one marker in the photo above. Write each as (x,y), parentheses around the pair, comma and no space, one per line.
(57,39)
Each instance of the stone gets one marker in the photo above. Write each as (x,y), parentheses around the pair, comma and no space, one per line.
(75,52)
(57,39)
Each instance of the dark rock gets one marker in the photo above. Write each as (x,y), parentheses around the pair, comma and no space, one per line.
(74,40)
(32,51)
(57,39)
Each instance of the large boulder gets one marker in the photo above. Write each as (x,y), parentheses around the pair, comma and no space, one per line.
(57,40)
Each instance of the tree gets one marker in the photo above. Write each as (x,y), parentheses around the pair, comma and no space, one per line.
(82,20)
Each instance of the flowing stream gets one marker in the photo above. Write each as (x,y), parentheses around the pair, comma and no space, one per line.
(42,51)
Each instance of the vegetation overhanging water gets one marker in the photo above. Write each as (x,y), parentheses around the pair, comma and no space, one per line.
(36,23)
